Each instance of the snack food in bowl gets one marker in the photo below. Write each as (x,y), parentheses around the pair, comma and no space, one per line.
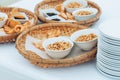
(86,39)
(72,5)
(3,19)
(84,14)
(58,47)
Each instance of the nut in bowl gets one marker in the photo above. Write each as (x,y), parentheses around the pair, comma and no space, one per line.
(86,39)
(3,19)
(58,47)
(72,5)
(84,14)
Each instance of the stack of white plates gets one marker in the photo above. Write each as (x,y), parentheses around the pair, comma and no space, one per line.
(108,57)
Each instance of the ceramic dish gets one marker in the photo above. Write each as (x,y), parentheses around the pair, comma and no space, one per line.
(107,66)
(57,54)
(109,55)
(113,32)
(107,74)
(85,45)
(109,51)
(108,60)
(109,46)
(84,14)
(110,71)
(111,41)
(81,3)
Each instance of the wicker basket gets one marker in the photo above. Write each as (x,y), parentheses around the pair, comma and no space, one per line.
(46,4)
(66,30)
(12,37)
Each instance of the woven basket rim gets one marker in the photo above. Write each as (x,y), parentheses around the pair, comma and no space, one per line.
(88,22)
(88,55)
(12,37)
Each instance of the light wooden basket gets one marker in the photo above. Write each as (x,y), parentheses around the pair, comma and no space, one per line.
(46,4)
(66,30)
(12,37)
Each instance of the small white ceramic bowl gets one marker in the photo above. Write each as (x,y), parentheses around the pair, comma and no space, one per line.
(57,54)
(83,2)
(87,45)
(85,17)
(4,15)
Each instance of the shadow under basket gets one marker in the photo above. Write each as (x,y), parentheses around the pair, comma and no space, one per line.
(12,37)
(44,31)
(46,4)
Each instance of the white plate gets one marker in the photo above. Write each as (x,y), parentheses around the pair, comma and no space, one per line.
(103,36)
(107,66)
(109,49)
(86,45)
(108,61)
(107,74)
(117,53)
(110,71)
(111,29)
(109,55)
(117,42)
(110,46)
(110,40)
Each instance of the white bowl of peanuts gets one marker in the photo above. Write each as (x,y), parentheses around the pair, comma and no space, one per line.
(86,39)
(84,14)
(57,47)
(72,5)
(3,19)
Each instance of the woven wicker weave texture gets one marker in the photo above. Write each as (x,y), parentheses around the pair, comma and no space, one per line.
(66,30)
(12,37)
(52,3)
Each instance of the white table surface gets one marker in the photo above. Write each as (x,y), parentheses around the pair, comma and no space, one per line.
(14,67)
